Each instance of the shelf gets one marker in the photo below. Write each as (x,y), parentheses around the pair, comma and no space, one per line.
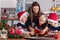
(12,19)
(28,2)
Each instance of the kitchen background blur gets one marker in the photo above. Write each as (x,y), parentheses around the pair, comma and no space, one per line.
(11,8)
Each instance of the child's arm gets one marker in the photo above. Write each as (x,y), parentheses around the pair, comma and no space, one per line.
(44,30)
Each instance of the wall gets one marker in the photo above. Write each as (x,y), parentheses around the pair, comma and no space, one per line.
(8,3)
(0,9)
(45,4)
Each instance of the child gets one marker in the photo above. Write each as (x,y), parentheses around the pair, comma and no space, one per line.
(22,16)
(53,26)
(53,22)
(42,26)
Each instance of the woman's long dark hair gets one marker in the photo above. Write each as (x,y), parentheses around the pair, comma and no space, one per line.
(31,10)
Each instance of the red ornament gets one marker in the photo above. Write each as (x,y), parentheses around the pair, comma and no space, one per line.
(12,31)
(18,32)
(7,24)
(3,17)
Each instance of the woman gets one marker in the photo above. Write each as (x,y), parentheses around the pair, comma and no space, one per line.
(34,14)
(35,11)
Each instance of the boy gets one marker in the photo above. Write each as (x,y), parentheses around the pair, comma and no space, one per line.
(53,22)
(22,16)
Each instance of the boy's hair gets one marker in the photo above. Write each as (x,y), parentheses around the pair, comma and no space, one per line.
(45,16)
(41,15)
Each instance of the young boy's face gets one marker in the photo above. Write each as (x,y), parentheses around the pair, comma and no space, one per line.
(55,24)
(42,19)
(24,19)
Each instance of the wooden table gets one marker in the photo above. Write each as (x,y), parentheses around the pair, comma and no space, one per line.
(12,39)
(30,38)
(40,38)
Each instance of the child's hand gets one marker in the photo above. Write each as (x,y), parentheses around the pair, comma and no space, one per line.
(56,31)
(37,31)
(41,32)
(57,35)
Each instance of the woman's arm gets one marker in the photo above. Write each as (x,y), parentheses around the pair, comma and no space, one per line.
(32,31)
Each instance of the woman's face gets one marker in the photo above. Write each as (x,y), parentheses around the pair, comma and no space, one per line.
(42,19)
(35,9)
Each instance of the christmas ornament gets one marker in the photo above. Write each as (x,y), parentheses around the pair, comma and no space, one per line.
(18,32)
(58,8)
(53,8)
(3,17)
(3,33)
(3,22)
(12,32)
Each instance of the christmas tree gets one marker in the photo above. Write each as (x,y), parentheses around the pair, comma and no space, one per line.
(3,23)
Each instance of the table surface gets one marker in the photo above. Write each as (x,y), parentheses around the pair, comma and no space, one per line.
(30,38)
(40,38)
(11,39)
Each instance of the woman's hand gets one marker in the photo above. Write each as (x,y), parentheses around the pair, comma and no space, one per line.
(32,31)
